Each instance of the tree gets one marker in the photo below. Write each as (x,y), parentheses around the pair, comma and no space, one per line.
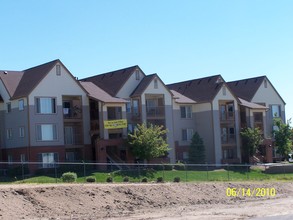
(196,150)
(148,141)
(251,138)
(283,137)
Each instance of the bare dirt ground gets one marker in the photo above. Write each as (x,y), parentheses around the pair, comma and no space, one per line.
(142,201)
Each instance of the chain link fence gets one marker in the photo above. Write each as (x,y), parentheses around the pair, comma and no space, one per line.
(33,172)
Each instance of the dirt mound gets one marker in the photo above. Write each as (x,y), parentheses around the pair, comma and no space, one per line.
(125,201)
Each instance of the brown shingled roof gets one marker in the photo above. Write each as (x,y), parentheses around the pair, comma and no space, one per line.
(181,99)
(199,90)
(112,82)
(32,77)
(246,88)
(11,80)
(97,93)
(143,85)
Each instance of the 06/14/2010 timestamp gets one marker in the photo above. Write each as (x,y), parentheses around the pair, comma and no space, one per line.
(251,192)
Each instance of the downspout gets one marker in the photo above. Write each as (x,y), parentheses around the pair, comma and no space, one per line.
(213,130)
(28,130)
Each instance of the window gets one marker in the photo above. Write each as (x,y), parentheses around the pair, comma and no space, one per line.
(46,105)
(228,135)
(70,156)
(137,76)
(22,158)
(258,120)
(186,112)
(48,160)
(21,132)
(21,105)
(9,159)
(265,84)
(227,111)
(68,135)
(9,133)
(9,107)
(185,156)
(224,91)
(135,109)
(58,70)
(46,132)
(276,111)
(187,134)
(128,107)
(155,83)
(228,154)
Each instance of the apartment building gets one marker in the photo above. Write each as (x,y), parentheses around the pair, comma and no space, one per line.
(47,115)
(264,103)
(214,114)
(147,100)
(44,115)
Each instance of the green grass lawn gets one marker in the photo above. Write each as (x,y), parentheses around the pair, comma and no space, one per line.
(168,176)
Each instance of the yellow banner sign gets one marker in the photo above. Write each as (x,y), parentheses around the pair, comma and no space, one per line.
(114,124)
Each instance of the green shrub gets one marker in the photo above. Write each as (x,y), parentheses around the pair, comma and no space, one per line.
(160,179)
(69,177)
(144,180)
(91,179)
(126,179)
(168,167)
(179,166)
(176,179)
(109,179)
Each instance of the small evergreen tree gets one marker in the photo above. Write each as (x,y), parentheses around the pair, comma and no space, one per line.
(196,150)
(283,137)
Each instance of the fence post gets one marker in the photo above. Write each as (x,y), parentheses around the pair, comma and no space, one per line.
(22,171)
(55,168)
(207,169)
(228,172)
(84,171)
(247,171)
(163,172)
(185,172)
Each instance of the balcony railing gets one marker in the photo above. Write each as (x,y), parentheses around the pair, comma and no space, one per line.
(72,113)
(155,112)
(229,139)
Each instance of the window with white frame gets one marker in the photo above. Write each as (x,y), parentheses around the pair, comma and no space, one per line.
(21,105)
(21,132)
(186,111)
(9,133)
(22,158)
(9,159)
(276,111)
(9,107)
(46,105)
(137,75)
(135,109)
(128,107)
(46,132)
(58,70)
(187,134)
(156,84)
(48,160)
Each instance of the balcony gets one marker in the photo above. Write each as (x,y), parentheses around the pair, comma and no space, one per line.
(155,112)
(72,113)
(73,134)
(72,107)
(229,139)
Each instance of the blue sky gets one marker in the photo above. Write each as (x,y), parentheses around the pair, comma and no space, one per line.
(179,40)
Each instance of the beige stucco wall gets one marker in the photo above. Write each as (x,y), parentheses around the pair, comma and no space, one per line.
(57,86)
(129,86)
(217,127)
(268,95)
